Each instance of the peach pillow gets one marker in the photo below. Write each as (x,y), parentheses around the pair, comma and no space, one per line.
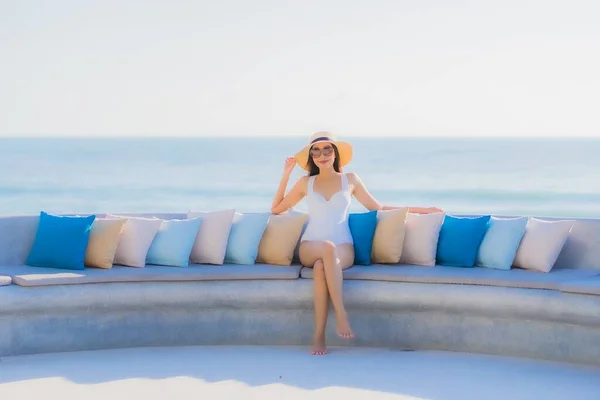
(542,243)
(211,242)
(103,242)
(421,238)
(136,240)
(280,239)
(389,236)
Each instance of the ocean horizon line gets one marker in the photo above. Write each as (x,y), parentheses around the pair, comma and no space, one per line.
(298,136)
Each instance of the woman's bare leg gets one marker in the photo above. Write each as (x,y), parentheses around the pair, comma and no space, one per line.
(321,300)
(334,260)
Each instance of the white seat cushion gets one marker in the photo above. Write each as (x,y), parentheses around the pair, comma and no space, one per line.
(517,278)
(32,276)
(5,280)
(582,286)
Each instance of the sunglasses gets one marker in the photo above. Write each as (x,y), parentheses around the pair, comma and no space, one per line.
(326,151)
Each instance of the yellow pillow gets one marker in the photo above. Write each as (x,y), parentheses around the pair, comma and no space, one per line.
(104,239)
(280,239)
(389,236)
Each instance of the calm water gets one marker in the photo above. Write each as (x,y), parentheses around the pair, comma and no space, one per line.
(558,177)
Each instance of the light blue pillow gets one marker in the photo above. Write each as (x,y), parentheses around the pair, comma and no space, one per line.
(459,240)
(362,229)
(173,242)
(501,241)
(60,241)
(246,232)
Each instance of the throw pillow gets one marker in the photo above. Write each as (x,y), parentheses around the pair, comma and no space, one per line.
(362,228)
(173,242)
(280,239)
(542,243)
(136,239)
(60,241)
(211,242)
(244,239)
(459,240)
(296,258)
(103,242)
(420,238)
(389,236)
(501,242)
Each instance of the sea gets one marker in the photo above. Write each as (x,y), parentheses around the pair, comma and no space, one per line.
(504,177)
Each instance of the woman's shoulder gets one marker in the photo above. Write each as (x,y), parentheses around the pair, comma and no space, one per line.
(352,177)
(303,180)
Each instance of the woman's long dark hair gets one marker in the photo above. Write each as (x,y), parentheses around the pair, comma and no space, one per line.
(314,170)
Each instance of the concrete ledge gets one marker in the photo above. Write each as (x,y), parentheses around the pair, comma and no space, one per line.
(493,320)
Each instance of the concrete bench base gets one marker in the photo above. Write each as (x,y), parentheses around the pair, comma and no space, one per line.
(506,321)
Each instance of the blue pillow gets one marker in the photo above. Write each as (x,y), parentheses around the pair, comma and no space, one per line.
(501,241)
(60,241)
(246,232)
(173,242)
(362,229)
(459,240)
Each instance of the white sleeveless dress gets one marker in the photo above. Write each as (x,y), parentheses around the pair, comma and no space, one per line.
(328,220)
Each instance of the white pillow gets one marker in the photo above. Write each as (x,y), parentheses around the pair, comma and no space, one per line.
(542,243)
(421,238)
(135,240)
(212,238)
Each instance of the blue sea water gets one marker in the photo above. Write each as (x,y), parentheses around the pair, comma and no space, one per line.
(538,177)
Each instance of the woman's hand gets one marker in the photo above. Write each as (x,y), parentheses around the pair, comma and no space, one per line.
(289,165)
(420,210)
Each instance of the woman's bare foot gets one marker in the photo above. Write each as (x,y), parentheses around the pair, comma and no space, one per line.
(319,348)
(343,327)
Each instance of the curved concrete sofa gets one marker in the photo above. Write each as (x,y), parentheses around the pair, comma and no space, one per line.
(554,316)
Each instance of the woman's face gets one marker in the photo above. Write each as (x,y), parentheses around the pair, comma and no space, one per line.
(323,155)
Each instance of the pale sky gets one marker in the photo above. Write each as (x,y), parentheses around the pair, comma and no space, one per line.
(240,67)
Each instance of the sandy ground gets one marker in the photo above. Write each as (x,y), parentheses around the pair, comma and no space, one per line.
(228,372)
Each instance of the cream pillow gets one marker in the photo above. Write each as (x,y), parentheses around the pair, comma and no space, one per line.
(292,211)
(389,236)
(104,239)
(211,241)
(136,240)
(421,238)
(542,243)
(280,239)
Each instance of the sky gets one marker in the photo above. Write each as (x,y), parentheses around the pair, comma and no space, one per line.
(275,68)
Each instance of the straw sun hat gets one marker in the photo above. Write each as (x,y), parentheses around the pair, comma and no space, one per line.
(344,148)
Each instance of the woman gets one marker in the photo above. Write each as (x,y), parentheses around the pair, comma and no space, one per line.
(327,245)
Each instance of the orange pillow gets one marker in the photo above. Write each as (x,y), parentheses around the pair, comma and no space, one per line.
(280,239)
(103,242)
(389,236)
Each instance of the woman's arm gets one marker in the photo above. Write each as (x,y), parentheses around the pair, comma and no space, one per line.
(418,210)
(366,199)
(281,202)
(362,194)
